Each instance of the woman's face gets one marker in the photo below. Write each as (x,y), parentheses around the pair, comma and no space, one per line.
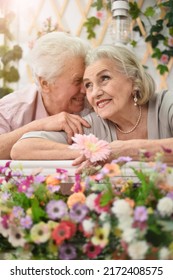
(108,91)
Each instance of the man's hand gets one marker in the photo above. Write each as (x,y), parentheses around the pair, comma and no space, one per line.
(69,123)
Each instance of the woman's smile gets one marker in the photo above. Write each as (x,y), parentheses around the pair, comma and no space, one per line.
(103,103)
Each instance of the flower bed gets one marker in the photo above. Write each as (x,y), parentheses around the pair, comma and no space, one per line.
(105,217)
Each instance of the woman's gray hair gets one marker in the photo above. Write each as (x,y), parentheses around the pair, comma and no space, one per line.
(51,53)
(128,64)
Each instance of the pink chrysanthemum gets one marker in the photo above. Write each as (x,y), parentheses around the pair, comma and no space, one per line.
(90,146)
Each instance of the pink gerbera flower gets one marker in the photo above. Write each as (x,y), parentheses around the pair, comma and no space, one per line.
(91,147)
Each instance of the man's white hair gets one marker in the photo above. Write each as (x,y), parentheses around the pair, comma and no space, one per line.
(52,51)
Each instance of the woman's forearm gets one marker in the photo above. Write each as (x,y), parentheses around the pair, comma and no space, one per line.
(132,148)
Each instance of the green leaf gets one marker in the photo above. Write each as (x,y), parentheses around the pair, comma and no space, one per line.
(37,211)
(171,31)
(90,24)
(12,75)
(149,12)
(153,39)
(157,53)
(21,199)
(166,225)
(4,91)
(162,68)
(134,10)
(40,193)
(160,37)
(106,198)
(133,43)
(137,29)
(148,38)
(17,52)
(98,4)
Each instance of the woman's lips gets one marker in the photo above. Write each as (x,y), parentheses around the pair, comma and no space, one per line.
(103,103)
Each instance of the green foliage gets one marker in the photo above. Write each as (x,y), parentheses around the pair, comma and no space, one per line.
(134,10)
(8,56)
(90,24)
(162,68)
(158,33)
(98,5)
(37,211)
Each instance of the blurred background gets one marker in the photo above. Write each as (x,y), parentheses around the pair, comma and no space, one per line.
(147,25)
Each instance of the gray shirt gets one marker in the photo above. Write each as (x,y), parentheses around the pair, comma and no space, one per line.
(160,122)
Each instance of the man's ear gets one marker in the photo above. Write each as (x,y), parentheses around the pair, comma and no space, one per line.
(44,84)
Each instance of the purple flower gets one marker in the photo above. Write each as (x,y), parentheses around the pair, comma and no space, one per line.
(160,167)
(67,252)
(18,211)
(78,212)
(53,188)
(170,195)
(29,192)
(5,196)
(56,209)
(140,214)
(39,179)
(87,183)
(122,159)
(26,222)
(4,168)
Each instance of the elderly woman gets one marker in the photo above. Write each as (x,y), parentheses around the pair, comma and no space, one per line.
(128,112)
(57,97)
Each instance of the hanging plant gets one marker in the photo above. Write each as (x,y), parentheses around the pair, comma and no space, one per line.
(157,23)
(8,56)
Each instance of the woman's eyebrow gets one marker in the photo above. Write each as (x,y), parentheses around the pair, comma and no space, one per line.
(98,74)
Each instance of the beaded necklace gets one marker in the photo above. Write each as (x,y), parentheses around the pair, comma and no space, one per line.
(135,126)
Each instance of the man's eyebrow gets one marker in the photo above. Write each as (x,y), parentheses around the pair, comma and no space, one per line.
(97,75)
(77,78)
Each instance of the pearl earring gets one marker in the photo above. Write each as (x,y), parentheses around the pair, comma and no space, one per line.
(135,100)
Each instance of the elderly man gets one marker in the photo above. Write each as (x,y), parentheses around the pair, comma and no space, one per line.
(57,100)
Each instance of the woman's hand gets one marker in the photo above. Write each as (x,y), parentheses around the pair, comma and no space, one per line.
(84,164)
(81,163)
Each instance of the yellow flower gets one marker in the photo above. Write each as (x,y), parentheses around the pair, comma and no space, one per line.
(40,233)
(101,235)
(29,212)
(52,224)
(150,210)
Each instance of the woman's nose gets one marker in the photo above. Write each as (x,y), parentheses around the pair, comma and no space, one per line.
(97,92)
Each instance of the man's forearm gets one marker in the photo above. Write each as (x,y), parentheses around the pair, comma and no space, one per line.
(42,149)
(7,140)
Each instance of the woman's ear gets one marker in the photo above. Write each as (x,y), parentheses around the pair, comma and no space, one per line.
(44,84)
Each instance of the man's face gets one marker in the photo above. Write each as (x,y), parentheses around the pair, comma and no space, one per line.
(67,93)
